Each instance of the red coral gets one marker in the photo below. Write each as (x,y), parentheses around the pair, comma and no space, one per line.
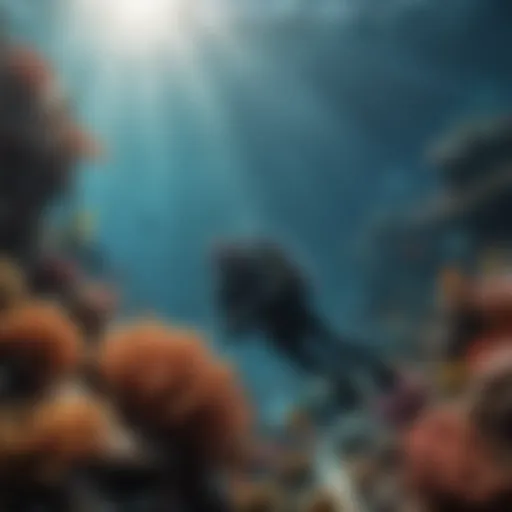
(166,380)
(39,340)
(444,455)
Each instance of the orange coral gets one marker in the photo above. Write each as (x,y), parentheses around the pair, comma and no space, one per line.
(69,430)
(46,439)
(166,380)
(41,342)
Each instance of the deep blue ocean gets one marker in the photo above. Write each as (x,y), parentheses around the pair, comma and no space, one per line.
(300,120)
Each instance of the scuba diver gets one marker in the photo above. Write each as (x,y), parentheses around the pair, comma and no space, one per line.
(260,289)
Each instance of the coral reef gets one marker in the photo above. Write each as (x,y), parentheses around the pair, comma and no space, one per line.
(39,347)
(167,382)
(13,285)
(445,456)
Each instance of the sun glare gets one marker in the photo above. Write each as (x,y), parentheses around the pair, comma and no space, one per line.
(133,26)
(141,18)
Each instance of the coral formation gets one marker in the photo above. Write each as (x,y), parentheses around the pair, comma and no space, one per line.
(13,286)
(446,456)
(39,347)
(258,497)
(321,501)
(167,382)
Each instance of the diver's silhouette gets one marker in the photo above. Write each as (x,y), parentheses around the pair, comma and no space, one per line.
(260,289)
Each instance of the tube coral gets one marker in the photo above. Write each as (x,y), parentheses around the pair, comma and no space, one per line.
(39,346)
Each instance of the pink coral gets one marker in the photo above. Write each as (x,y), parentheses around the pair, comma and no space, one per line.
(445,455)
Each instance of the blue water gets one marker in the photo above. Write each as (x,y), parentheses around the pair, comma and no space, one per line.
(297,119)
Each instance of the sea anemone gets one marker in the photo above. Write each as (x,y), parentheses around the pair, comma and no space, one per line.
(444,455)
(39,346)
(167,382)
